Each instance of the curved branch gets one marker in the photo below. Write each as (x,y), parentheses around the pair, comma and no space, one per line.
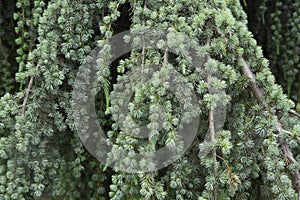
(258,93)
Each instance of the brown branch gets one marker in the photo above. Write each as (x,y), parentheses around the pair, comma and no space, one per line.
(211,127)
(166,55)
(255,89)
(258,93)
(293,112)
(212,133)
(27,95)
(213,139)
(144,48)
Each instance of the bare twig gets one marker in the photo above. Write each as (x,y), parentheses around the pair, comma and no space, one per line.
(285,148)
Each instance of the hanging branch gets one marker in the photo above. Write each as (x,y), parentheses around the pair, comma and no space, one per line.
(293,112)
(27,94)
(212,132)
(212,139)
(144,48)
(258,93)
(285,148)
(166,55)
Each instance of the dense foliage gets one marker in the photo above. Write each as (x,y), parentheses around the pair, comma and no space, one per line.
(254,156)
(276,27)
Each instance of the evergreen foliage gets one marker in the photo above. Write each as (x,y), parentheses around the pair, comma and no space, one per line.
(276,26)
(8,65)
(254,156)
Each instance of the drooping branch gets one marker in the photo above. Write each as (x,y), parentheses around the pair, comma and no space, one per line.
(258,93)
(27,94)
(293,112)
(144,46)
(212,134)
(166,55)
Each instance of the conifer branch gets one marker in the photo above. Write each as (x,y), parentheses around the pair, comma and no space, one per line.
(212,136)
(143,56)
(285,148)
(144,48)
(213,140)
(293,112)
(166,55)
(27,94)
(258,93)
